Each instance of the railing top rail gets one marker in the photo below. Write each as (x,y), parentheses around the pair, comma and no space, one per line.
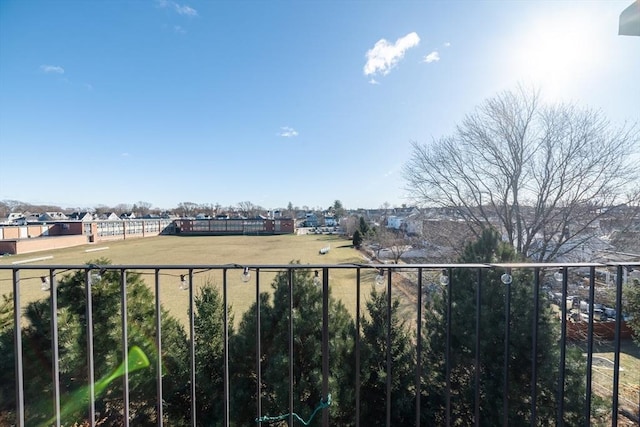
(307,266)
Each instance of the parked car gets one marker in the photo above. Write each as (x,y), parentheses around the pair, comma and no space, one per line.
(610,312)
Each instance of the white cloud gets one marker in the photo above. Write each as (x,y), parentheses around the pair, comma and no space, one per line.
(52,69)
(186,10)
(373,81)
(178,29)
(179,8)
(287,132)
(447,44)
(384,55)
(432,57)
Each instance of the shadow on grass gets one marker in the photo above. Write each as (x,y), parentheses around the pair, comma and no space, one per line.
(627,346)
(223,234)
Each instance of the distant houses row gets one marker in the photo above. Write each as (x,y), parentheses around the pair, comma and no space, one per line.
(19,218)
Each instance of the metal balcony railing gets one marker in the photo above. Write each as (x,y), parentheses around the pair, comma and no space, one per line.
(424,281)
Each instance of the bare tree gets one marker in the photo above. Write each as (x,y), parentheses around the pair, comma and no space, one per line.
(249,209)
(338,210)
(207,209)
(393,241)
(141,208)
(9,206)
(541,174)
(101,209)
(444,240)
(349,225)
(623,225)
(289,212)
(121,208)
(185,209)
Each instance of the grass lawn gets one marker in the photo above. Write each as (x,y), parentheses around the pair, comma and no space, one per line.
(629,386)
(209,250)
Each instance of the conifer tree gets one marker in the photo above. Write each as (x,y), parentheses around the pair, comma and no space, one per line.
(357,239)
(107,345)
(209,347)
(307,357)
(463,288)
(363,227)
(374,364)
(631,295)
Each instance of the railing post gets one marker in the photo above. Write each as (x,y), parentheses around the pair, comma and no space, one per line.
(17,339)
(419,348)
(616,345)
(159,398)
(125,344)
(55,357)
(225,350)
(325,342)
(357,347)
(592,291)
(477,349)
(192,350)
(389,368)
(507,350)
(534,346)
(291,408)
(448,349)
(258,349)
(91,373)
(563,348)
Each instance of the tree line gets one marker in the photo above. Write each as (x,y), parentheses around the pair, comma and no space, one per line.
(183,209)
(307,372)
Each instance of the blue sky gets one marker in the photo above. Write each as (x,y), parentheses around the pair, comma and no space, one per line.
(274,102)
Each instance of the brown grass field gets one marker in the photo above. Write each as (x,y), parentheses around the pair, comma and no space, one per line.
(253,250)
(204,250)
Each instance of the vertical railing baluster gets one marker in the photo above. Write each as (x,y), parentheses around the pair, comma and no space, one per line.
(419,348)
(616,345)
(507,350)
(125,344)
(258,349)
(91,372)
(225,349)
(477,349)
(17,348)
(448,349)
(159,397)
(592,292)
(192,350)
(55,355)
(357,347)
(291,408)
(534,346)
(325,342)
(388,348)
(563,348)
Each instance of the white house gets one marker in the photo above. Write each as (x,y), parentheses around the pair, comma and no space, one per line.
(52,216)
(395,222)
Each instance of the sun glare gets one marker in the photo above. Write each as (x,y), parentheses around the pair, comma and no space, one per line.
(557,51)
